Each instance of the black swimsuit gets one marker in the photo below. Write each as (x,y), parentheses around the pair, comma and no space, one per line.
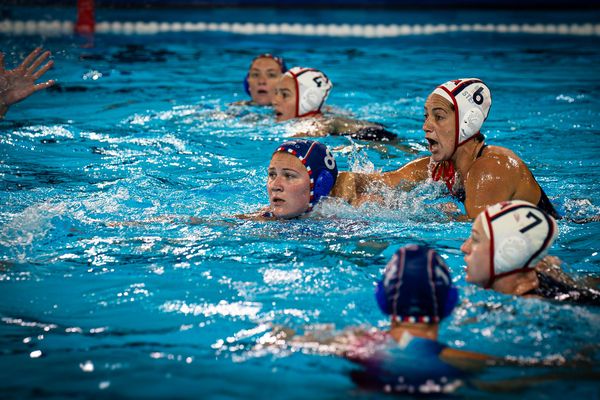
(376,133)
(545,205)
(373,133)
(550,288)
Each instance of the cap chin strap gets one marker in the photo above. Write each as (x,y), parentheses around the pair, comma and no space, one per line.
(488,221)
(502,275)
(308,114)
(456,146)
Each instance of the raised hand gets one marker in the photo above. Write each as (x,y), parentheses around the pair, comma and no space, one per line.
(19,83)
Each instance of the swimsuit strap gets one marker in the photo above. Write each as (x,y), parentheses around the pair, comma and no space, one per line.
(480,151)
(546,205)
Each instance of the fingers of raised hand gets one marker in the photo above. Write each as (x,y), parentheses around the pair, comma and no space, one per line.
(43,85)
(29,59)
(37,74)
(35,64)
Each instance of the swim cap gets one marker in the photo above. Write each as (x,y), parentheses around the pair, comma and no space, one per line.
(319,163)
(279,61)
(312,89)
(520,235)
(416,286)
(472,100)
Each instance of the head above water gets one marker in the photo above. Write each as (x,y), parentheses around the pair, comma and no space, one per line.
(471,100)
(416,286)
(301,92)
(262,77)
(508,237)
(316,172)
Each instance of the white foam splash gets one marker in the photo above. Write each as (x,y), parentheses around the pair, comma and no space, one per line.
(31,224)
(238,309)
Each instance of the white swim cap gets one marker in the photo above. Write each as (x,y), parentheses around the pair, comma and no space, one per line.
(520,235)
(312,89)
(472,101)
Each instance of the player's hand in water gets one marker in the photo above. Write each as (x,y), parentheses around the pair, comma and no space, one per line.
(19,83)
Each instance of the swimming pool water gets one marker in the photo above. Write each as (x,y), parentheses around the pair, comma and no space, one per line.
(107,291)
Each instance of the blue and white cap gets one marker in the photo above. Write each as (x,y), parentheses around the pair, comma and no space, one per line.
(472,101)
(520,235)
(319,162)
(416,286)
(312,89)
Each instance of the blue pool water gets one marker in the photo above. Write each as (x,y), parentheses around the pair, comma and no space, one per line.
(93,304)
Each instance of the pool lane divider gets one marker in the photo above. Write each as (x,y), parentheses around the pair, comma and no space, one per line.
(56,28)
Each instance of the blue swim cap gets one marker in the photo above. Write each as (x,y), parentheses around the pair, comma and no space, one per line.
(416,286)
(319,163)
(278,60)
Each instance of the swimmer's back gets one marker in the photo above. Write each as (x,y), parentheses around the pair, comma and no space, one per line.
(358,129)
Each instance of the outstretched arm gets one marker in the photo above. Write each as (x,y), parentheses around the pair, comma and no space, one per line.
(472,361)
(354,187)
(466,360)
(19,83)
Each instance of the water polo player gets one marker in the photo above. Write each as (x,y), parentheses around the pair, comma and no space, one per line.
(476,174)
(300,173)
(417,292)
(261,79)
(506,252)
(301,94)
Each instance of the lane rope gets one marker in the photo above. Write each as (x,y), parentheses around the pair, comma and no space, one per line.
(57,28)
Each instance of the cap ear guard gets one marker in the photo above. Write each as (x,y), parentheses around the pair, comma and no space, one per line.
(247,86)
(471,123)
(311,98)
(381,297)
(323,185)
(513,250)
(452,298)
